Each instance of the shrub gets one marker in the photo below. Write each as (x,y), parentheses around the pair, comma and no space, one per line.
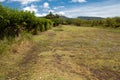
(14,22)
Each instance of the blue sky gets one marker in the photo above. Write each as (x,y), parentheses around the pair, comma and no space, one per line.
(69,8)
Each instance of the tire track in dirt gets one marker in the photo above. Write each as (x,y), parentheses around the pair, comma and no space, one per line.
(24,66)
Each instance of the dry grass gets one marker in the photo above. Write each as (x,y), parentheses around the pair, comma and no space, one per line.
(69,53)
(78,53)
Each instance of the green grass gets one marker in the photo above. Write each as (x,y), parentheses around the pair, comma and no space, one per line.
(66,53)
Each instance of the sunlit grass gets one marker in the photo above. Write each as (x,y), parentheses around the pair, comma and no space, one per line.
(80,53)
(67,53)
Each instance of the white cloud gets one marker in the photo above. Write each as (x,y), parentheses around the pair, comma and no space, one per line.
(59,7)
(51,11)
(2,0)
(31,8)
(40,15)
(34,9)
(61,13)
(95,9)
(24,2)
(46,5)
(80,1)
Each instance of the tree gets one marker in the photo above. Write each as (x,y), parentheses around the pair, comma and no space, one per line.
(55,18)
(117,22)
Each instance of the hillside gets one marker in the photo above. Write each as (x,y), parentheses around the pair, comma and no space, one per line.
(90,18)
(65,53)
(84,18)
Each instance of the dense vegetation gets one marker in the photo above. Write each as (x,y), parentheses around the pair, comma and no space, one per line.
(14,22)
(107,22)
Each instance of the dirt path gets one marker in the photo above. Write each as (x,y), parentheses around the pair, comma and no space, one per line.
(25,66)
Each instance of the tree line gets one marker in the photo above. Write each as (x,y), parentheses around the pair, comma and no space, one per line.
(13,22)
(106,22)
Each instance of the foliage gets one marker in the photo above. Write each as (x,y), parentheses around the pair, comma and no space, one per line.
(106,22)
(112,22)
(14,22)
(55,18)
(7,44)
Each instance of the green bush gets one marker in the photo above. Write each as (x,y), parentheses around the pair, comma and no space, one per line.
(13,22)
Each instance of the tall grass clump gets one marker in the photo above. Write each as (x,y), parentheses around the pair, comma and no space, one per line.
(6,44)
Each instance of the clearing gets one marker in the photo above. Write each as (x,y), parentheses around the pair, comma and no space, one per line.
(65,53)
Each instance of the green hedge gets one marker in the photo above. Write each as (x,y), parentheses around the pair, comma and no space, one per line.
(14,22)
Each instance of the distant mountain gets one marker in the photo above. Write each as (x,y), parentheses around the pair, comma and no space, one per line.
(90,18)
(64,17)
(83,17)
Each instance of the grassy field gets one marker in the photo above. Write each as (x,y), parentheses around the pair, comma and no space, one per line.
(65,53)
